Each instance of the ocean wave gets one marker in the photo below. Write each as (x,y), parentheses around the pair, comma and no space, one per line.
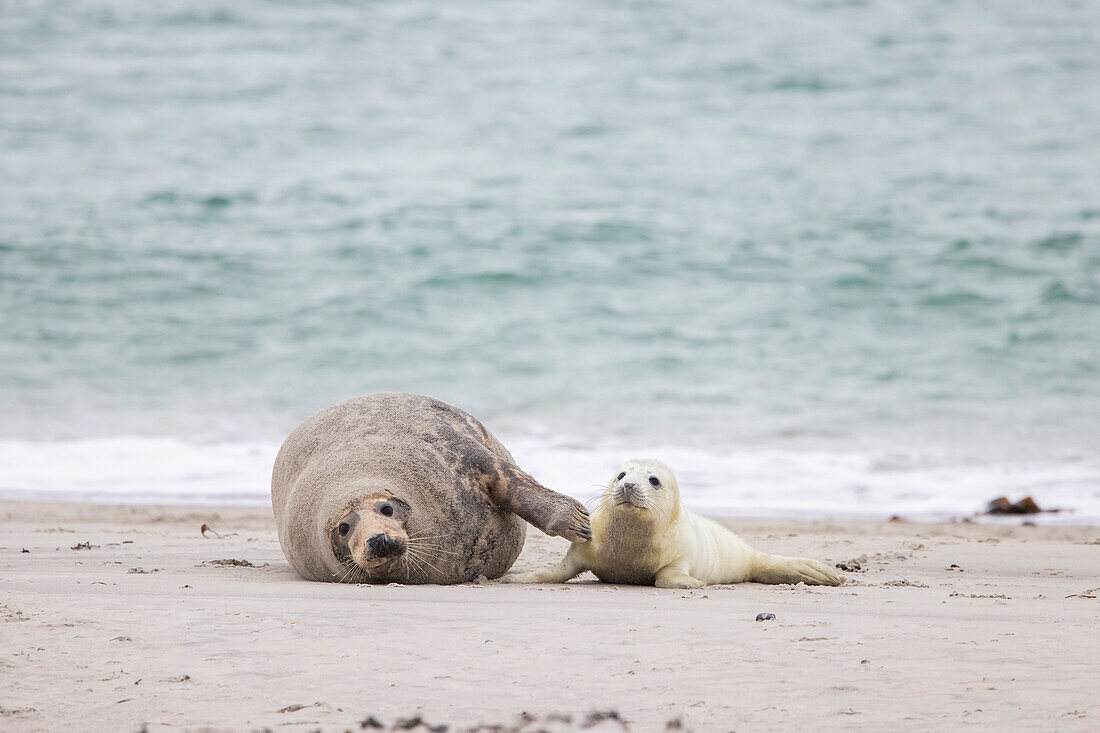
(1059,242)
(1057,292)
(959,298)
(743,481)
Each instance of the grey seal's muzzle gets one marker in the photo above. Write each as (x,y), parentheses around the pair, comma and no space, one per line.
(382,545)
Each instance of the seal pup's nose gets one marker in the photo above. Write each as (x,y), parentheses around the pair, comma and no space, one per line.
(630,486)
(382,545)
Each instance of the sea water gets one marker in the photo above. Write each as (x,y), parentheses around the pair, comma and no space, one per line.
(823,258)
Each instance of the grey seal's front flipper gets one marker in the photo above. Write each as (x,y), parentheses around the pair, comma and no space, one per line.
(511,488)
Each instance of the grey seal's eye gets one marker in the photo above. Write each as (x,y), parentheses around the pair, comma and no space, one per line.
(344,529)
(653,480)
(391,508)
(620,476)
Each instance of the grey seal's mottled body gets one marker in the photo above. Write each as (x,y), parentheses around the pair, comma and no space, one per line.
(400,487)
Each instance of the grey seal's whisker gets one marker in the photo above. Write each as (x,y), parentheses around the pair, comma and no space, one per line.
(434,548)
(348,570)
(420,567)
(426,561)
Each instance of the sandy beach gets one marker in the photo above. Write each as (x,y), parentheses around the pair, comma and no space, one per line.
(830,262)
(128,617)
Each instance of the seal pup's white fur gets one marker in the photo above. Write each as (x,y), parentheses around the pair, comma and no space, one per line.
(641,534)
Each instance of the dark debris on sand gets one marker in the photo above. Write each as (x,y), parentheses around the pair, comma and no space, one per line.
(418,723)
(597,721)
(84,546)
(234,563)
(1027,505)
(207,531)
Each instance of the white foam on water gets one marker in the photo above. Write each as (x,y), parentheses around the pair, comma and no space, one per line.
(137,469)
(768,481)
(741,481)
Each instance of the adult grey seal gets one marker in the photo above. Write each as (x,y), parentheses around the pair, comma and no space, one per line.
(405,488)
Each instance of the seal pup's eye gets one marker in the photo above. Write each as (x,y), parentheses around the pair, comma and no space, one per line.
(653,481)
(344,529)
(387,510)
(620,476)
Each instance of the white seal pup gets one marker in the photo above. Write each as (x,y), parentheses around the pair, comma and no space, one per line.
(642,535)
(405,488)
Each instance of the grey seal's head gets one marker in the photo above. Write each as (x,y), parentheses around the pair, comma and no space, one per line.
(643,486)
(371,535)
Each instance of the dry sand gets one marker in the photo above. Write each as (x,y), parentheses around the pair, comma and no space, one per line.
(143,629)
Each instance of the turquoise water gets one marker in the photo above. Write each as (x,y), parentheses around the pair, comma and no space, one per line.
(808,231)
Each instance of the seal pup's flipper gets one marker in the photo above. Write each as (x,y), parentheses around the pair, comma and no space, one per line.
(674,576)
(776,569)
(570,567)
(511,488)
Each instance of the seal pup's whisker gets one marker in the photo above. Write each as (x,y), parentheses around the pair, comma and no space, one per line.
(598,498)
(650,504)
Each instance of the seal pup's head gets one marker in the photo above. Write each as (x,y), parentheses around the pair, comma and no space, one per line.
(643,486)
(371,534)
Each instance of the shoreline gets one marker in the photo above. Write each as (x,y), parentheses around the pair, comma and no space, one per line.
(146,628)
(77,508)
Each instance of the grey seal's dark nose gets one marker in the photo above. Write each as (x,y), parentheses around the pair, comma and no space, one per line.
(629,486)
(382,545)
